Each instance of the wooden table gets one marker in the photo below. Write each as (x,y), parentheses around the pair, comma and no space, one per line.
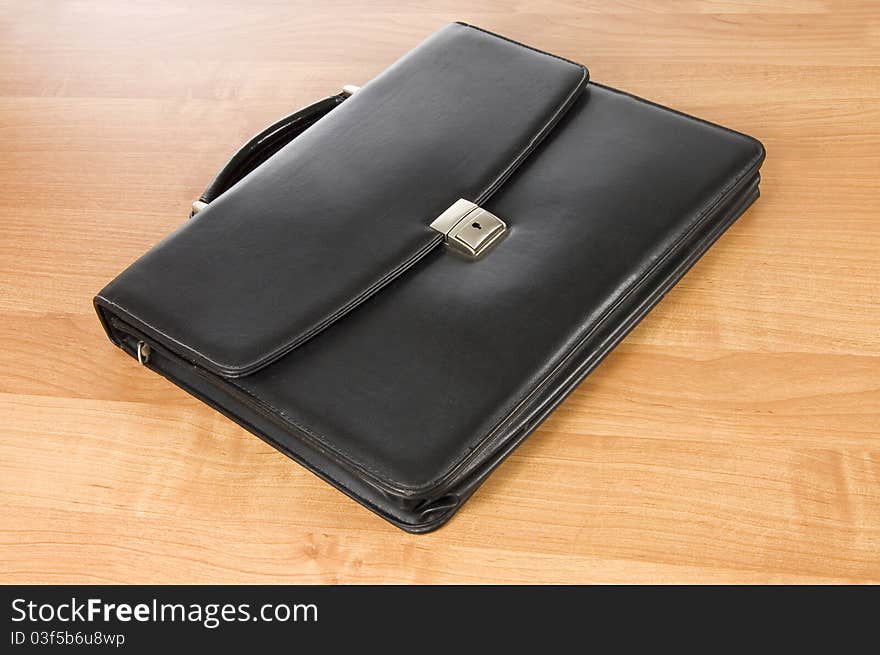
(733,437)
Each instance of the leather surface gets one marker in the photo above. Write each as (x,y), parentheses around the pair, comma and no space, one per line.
(410,400)
(345,208)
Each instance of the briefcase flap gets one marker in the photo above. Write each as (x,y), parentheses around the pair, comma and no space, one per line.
(347,206)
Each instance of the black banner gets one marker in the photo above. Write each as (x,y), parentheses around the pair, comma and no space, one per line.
(146,618)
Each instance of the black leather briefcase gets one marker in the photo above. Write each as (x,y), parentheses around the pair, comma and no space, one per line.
(395,285)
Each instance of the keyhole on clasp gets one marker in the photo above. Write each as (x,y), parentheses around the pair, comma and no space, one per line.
(476,226)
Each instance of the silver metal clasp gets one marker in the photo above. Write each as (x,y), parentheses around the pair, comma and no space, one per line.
(143,352)
(197,206)
(468,228)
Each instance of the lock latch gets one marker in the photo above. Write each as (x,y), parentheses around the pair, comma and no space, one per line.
(468,228)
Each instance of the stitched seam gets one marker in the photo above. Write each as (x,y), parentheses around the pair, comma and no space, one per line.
(677,112)
(150,326)
(293,455)
(537,138)
(284,449)
(306,335)
(534,142)
(321,442)
(515,42)
(388,277)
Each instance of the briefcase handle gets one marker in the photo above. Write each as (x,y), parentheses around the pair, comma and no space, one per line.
(267,143)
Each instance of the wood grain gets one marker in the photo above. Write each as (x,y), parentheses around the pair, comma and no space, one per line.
(733,437)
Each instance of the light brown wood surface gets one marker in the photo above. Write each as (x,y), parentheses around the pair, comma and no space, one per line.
(733,437)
